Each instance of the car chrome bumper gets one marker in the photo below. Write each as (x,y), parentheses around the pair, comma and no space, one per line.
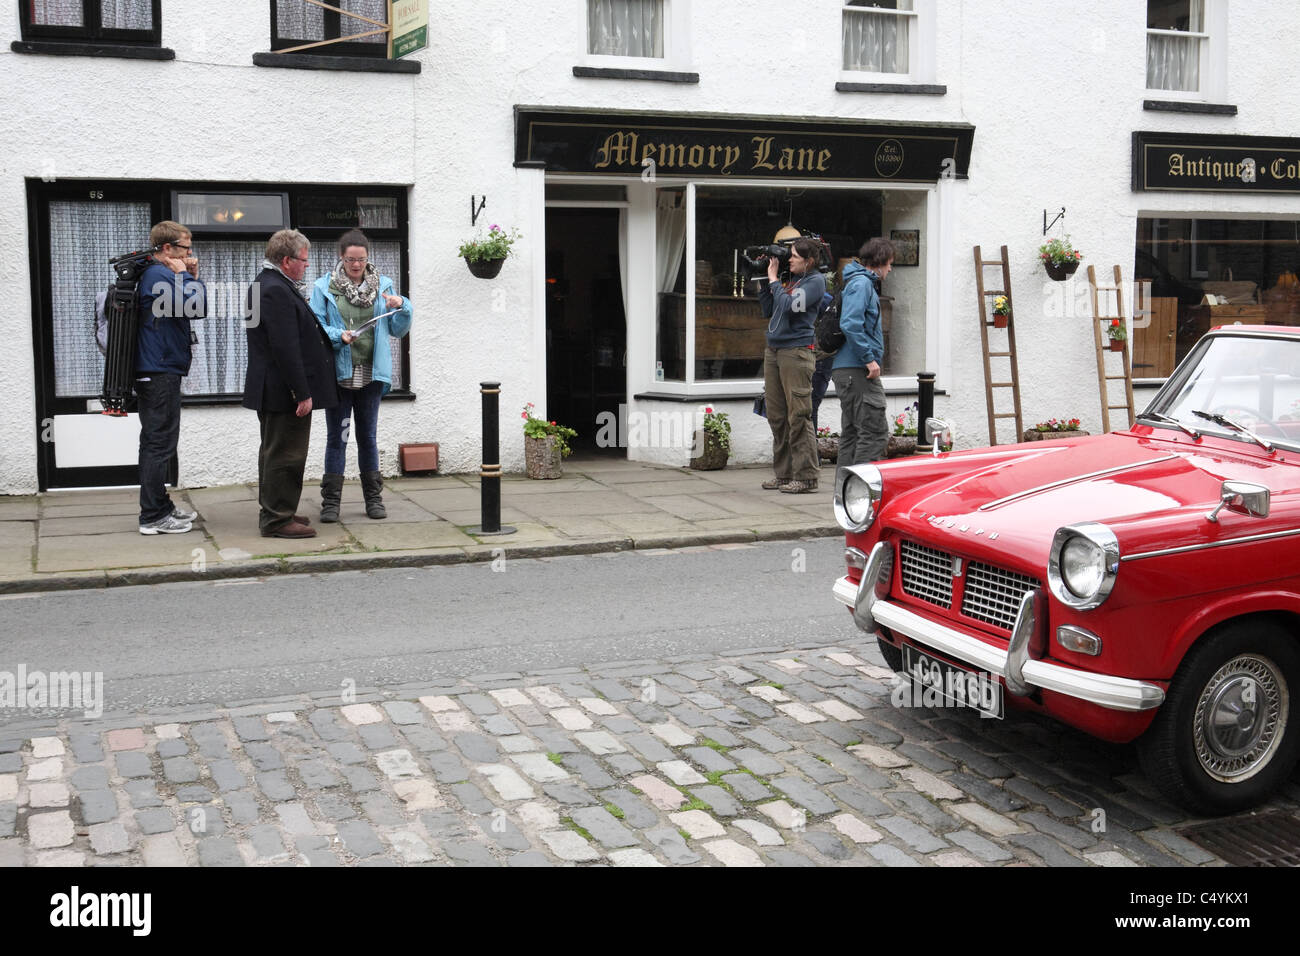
(1115,693)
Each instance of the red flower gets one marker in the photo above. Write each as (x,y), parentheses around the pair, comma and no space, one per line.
(707,410)
(1114,323)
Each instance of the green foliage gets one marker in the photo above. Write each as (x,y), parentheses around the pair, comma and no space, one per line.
(1057,251)
(495,245)
(717,428)
(541,428)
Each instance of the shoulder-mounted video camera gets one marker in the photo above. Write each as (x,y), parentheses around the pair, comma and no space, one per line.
(756,258)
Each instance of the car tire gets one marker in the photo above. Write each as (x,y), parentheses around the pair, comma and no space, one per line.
(1228,732)
(893,655)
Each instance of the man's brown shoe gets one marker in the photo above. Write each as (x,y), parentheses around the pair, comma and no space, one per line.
(800,487)
(302,519)
(293,529)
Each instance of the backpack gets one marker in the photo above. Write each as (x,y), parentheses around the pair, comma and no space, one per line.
(826,327)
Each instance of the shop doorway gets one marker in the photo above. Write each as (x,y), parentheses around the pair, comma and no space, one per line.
(586,326)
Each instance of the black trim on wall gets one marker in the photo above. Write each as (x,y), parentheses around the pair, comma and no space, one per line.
(355,64)
(610,73)
(925,89)
(123,51)
(1181,106)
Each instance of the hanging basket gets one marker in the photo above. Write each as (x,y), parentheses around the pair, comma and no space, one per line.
(485,268)
(712,458)
(1060,271)
(542,457)
(1000,320)
(1117,345)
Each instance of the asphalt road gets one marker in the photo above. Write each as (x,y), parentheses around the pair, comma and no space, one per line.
(226,642)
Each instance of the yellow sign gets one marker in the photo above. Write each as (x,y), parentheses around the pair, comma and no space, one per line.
(408,22)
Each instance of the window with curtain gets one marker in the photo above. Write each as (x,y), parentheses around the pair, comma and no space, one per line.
(625,28)
(121,21)
(295,22)
(1175,36)
(877,35)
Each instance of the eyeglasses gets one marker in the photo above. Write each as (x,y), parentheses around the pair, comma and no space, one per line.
(355,262)
(180,245)
(300,259)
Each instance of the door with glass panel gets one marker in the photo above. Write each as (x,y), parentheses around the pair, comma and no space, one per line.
(76,231)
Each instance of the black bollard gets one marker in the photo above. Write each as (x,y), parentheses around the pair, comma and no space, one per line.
(925,405)
(490,470)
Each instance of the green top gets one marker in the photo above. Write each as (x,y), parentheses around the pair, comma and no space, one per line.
(363,348)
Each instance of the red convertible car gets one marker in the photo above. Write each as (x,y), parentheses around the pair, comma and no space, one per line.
(1141,586)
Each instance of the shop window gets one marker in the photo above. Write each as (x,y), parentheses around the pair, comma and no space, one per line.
(115,21)
(1193,274)
(1186,48)
(296,22)
(709,300)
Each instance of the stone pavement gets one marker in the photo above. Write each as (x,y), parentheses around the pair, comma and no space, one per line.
(76,539)
(786,756)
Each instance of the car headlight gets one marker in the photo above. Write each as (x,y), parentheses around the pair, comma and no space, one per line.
(1083,564)
(857,496)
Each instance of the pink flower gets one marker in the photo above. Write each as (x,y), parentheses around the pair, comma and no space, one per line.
(707,410)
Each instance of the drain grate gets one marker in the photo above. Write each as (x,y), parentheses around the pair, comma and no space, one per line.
(1266,839)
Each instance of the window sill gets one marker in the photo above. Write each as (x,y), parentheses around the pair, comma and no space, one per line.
(355,64)
(125,51)
(235,401)
(925,89)
(663,76)
(1184,106)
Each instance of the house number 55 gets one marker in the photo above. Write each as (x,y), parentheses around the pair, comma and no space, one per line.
(97,194)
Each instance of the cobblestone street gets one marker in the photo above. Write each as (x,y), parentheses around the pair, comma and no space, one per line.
(788,756)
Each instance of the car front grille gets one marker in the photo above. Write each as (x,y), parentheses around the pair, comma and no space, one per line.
(990,594)
(927,573)
(993,595)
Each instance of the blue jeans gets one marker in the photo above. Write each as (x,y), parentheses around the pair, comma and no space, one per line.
(159,403)
(357,411)
(821,380)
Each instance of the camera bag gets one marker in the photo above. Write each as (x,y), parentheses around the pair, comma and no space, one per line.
(826,327)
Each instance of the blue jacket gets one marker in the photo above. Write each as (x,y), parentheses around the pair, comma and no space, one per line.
(169,301)
(864,342)
(327,314)
(790,314)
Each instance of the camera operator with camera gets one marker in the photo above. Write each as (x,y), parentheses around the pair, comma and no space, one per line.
(788,361)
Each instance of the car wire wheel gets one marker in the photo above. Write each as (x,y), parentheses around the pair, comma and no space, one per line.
(1238,718)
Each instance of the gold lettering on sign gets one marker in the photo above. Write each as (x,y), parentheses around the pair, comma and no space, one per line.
(823,156)
(671,154)
(730,156)
(616,150)
(695,157)
(1176,164)
(762,150)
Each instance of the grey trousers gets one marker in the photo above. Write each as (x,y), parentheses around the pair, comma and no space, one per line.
(864,432)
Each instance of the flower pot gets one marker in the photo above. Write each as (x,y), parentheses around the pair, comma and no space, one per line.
(1035,435)
(1000,320)
(485,268)
(1117,345)
(542,457)
(1060,271)
(713,457)
(901,445)
(828,449)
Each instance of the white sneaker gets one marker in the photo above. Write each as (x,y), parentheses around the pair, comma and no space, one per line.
(168,524)
(180,514)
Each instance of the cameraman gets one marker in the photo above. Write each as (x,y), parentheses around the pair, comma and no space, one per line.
(790,308)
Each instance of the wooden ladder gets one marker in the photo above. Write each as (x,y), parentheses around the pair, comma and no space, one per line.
(1102,342)
(986,323)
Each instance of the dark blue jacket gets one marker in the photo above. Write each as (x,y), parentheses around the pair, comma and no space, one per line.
(169,301)
(790,314)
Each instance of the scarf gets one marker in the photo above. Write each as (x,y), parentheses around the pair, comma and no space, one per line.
(363,295)
(301,285)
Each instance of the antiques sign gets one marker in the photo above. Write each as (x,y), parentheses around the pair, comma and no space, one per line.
(1190,163)
(741,147)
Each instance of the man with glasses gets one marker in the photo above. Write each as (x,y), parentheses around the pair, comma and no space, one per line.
(290,373)
(170,296)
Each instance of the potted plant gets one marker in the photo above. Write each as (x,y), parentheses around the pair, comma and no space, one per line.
(903,440)
(714,442)
(1055,428)
(486,254)
(1001,311)
(1059,258)
(1117,334)
(828,444)
(545,444)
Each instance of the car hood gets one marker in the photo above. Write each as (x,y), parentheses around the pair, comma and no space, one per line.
(1152,493)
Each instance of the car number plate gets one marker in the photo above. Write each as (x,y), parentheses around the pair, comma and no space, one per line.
(939,681)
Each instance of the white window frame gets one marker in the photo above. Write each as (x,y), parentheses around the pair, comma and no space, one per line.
(677,49)
(1213,38)
(921,39)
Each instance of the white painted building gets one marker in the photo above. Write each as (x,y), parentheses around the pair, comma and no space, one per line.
(954,122)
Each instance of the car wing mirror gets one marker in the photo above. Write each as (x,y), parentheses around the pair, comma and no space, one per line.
(941,431)
(1242,497)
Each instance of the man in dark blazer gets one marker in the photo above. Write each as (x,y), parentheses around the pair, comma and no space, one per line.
(290,373)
